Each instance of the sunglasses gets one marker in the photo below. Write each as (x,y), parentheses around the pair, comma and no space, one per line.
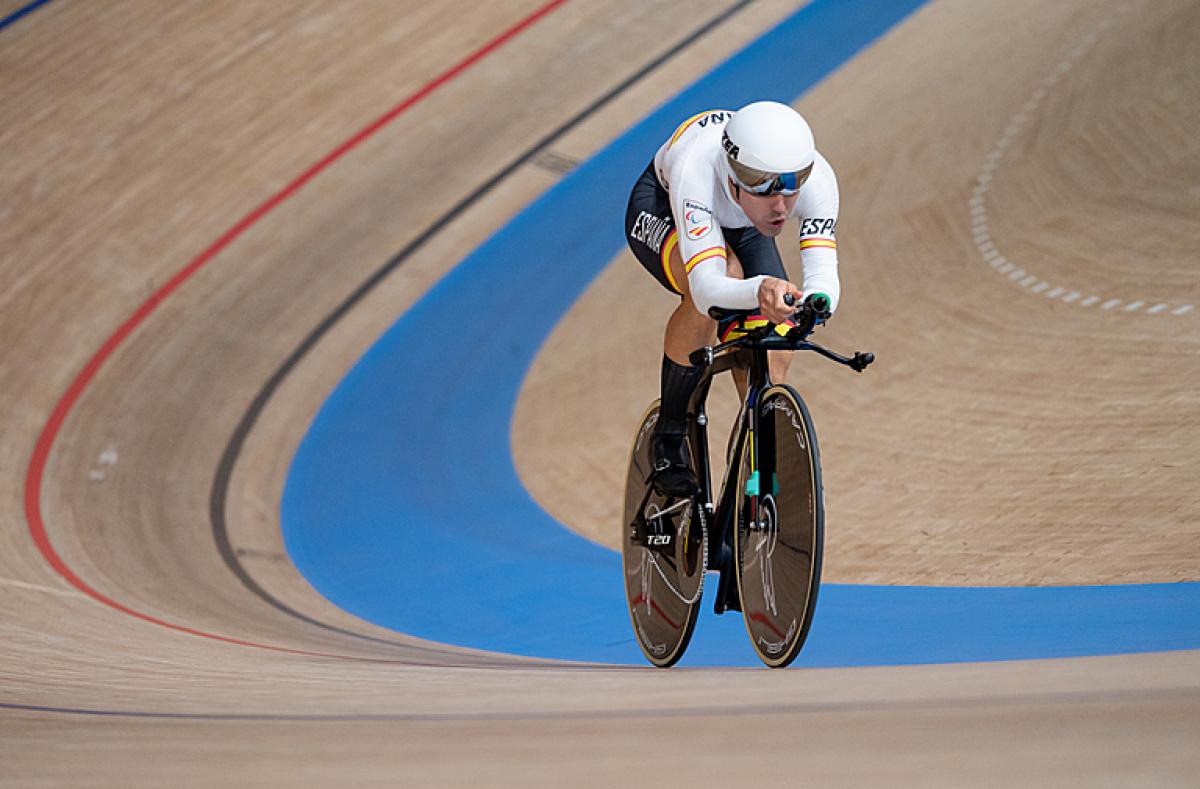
(757,182)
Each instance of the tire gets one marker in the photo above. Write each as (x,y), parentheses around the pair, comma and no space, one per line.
(779,539)
(662,587)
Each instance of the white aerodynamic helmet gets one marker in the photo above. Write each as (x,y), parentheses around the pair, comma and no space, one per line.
(769,148)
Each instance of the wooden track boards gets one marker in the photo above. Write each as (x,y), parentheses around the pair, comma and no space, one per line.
(1003,437)
(135,136)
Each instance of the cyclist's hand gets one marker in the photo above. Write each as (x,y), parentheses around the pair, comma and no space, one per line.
(819,304)
(770,299)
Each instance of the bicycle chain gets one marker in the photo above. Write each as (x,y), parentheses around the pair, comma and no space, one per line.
(697,507)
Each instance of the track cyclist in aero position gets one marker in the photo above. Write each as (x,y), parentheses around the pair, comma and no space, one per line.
(702,220)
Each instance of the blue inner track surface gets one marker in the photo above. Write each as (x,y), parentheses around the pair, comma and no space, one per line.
(403,506)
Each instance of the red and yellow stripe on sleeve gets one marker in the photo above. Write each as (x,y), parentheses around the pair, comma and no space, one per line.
(817,243)
(684,126)
(700,257)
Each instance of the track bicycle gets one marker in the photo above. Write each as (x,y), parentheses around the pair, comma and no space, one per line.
(764,530)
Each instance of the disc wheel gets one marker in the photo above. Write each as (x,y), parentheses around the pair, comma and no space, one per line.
(663,549)
(780,528)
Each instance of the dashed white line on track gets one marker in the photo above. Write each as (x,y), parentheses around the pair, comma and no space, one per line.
(981,230)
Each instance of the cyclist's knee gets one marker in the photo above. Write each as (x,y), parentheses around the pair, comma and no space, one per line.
(779,362)
(733,266)
(677,274)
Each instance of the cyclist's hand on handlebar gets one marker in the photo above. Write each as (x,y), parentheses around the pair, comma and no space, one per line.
(816,304)
(813,311)
(771,299)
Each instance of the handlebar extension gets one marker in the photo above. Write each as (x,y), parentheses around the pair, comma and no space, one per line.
(861,360)
(817,304)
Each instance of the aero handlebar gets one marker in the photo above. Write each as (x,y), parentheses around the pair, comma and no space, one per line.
(813,312)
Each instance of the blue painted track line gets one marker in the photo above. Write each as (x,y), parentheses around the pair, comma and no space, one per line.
(402,504)
(21,12)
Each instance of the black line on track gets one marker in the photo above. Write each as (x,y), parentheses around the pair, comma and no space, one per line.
(21,12)
(224,472)
(1051,699)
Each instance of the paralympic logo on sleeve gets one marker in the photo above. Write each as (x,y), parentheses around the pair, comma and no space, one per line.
(697,219)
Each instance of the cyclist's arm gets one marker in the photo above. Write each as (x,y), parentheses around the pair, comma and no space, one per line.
(711,288)
(818,212)
(702,248)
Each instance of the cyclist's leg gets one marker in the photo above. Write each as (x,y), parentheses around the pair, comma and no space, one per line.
(687,329)
(650,231)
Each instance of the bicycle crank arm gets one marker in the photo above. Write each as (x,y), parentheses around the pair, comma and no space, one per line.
(679,505)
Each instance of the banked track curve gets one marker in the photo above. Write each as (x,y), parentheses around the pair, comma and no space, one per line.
(931,704)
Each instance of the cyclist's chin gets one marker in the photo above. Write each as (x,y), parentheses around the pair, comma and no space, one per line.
(770,229)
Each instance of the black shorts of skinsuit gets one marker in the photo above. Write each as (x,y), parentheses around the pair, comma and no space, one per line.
(650,232)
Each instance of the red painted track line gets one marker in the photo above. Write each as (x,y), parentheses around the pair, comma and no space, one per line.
(45,442)
(663,614)
(761,618)
(643,599)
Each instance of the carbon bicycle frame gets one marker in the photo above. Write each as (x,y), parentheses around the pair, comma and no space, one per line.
(720,543)
(747,352)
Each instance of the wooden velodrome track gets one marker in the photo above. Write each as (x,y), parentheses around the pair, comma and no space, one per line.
(1025,427)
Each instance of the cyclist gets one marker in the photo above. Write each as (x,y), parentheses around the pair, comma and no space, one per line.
(702,220)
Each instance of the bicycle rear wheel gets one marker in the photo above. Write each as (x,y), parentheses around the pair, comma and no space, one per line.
(780,528)
(663,550)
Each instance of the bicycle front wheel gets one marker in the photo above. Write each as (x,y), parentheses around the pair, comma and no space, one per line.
(663,551)
(780,527)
